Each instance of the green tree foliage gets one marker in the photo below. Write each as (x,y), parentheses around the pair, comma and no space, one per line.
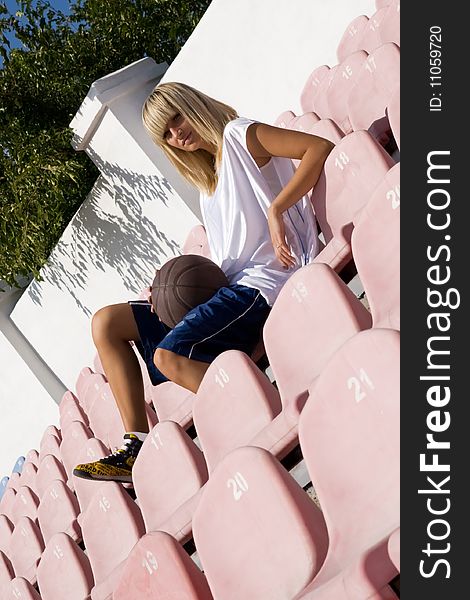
(43,180)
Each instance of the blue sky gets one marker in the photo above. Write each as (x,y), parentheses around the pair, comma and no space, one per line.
(13,6)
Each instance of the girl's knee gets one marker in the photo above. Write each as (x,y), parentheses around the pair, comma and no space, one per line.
(166,362)
(103,324)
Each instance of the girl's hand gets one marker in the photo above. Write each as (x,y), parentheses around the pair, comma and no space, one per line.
(278,237)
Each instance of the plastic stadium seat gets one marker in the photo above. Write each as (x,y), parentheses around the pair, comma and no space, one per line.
(393,547)
(390,26)
(234,402)
(25,505)
(50,444)
(82,383)
(273,534)
(393,114)
(382,3)
(378,227)
(18,466)
(21,589)
(49,469)
(319,101)
(3,485)
(111,526)
(14,481)
(369,38)
(311,87)
(351,37)
(74,438)
(28,476)
(196,242)
(92,391)
(349,433)
(341,84)
(173,403)
(92,450)
(26,547)
(168,471)
(62,555)
(284,119)
(7,572)
(304,122)
(6,529)
(105,419)
(377,81)
(70,410)
(58,512)
(354,167)
(328,129)
(7,502)
(158,567)
(32,457)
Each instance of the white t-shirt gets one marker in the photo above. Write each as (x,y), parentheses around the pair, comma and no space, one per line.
(235,217)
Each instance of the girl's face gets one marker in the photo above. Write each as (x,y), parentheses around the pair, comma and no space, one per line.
(179,133)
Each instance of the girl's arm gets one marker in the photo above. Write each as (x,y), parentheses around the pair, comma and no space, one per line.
(264,141)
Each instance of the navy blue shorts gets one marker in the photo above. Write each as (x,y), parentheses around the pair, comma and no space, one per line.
(231,320)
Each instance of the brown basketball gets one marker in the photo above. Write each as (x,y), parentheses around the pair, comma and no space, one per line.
(183,283)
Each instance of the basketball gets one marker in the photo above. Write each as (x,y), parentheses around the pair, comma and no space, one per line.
(183,283)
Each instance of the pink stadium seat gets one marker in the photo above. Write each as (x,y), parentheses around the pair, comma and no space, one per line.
(393,547)
(52,430)
(235,401)
(32,457)
(21,589)
(70,410)
(62,555)
(304,122)
(82,383)
(13,482)
(58,512)
(6,529)
(26,547)
(328,129)
(169,470)
(74,438)
(50,444)
(111,526)
(311,87)
(25,505)
(389,30)
(28,476)
(7,572)
(351,37)
(173,403)
(284,119)
(374,86)
(273,534)
(342,83)
(369,39)
(378,227)
(7,502)
(393,114)
(158,567)
(382,3)
(352,170)
(196,242)
(349,433)
(319,101)
(92,450)
(3,485)
(49,469)
(105,419)
(96,381)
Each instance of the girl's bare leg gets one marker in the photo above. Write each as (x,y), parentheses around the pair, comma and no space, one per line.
(184,371)
(113,327)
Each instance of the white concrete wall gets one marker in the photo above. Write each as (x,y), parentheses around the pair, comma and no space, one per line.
(253,54)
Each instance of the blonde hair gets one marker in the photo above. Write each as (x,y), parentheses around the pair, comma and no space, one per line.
(207,116)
